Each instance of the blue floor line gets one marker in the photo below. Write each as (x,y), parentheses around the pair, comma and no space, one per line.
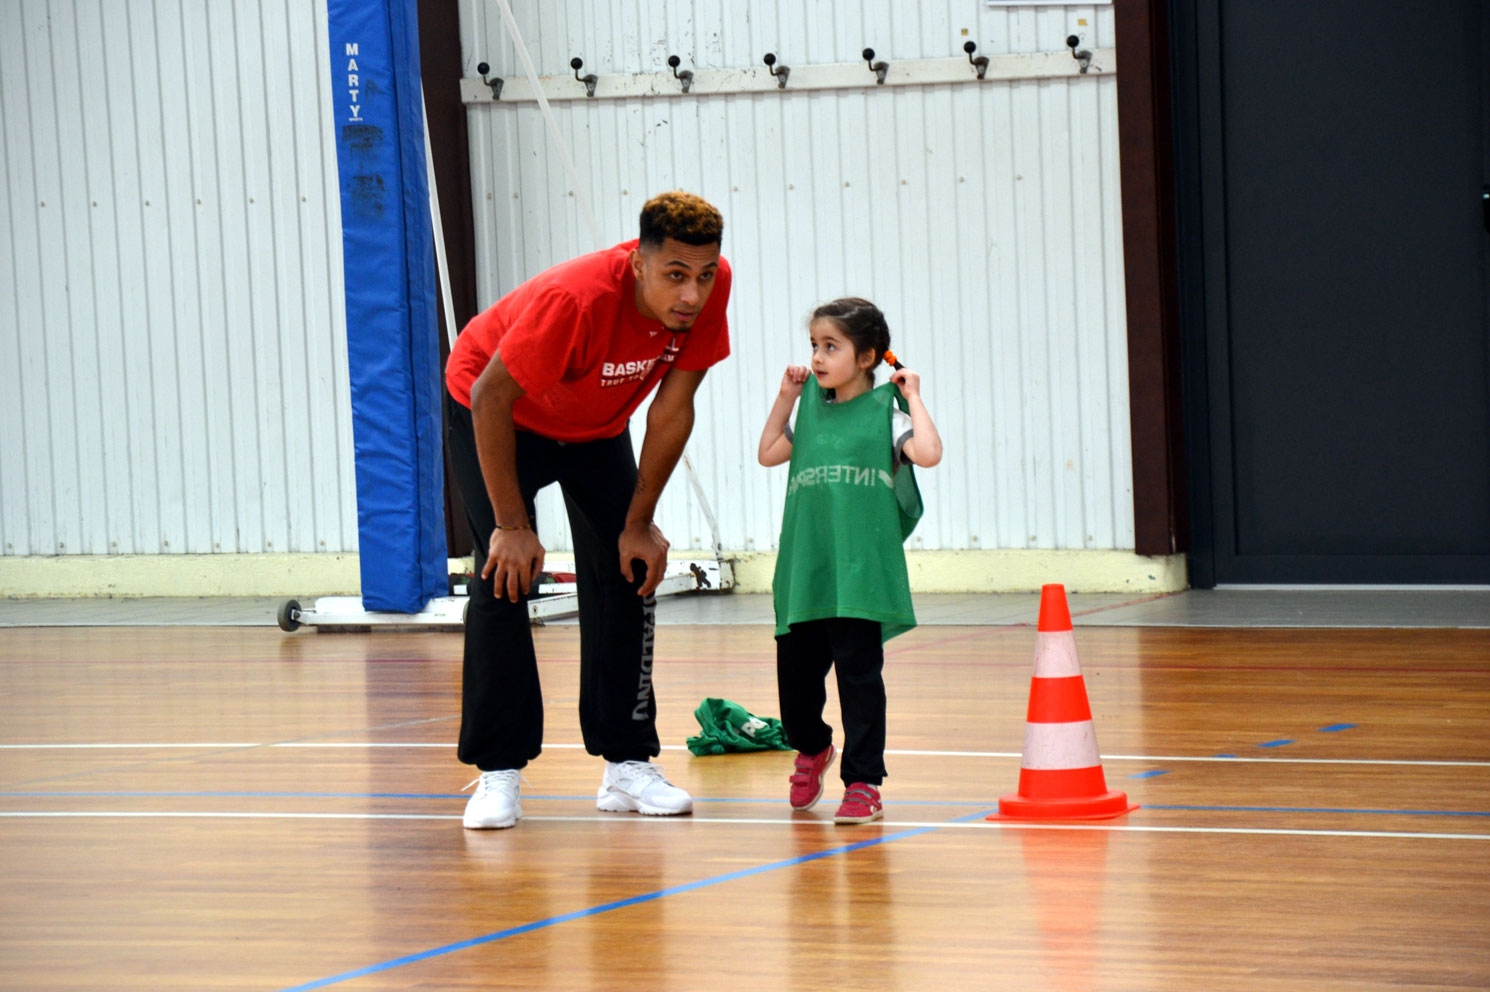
(1320,809)
(580,914)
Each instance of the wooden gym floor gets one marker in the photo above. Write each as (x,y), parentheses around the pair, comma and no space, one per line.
(200,807)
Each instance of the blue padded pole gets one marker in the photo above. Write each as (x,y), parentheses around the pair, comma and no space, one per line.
(392,324)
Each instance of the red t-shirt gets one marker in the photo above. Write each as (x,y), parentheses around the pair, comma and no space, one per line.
(585,358)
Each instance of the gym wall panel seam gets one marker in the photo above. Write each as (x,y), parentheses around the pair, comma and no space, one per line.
(984,218)
(173,358)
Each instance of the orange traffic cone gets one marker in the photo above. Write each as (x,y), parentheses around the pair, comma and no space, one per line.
(1061,776)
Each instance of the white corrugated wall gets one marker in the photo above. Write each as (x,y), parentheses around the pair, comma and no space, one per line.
(172,357)
(172,338)
(983,217)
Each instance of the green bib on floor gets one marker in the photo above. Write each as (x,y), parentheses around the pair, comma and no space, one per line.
(848,513)
(726,727)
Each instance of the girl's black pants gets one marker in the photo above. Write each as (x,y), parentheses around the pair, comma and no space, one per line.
(853,649)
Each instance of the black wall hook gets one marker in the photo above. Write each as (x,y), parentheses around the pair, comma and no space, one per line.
(1082,57)
(980,63)
(685,77)
(495,84)
(878,68)
(577,64)
(780,73)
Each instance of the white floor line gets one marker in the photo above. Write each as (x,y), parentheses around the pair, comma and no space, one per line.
(1151,758)
(1211,758)
(445,744)
(206,745)
(857,833)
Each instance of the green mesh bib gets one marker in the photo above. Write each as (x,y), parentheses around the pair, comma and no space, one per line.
(848,513)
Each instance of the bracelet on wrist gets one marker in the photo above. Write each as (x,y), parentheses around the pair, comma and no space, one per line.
(516,527)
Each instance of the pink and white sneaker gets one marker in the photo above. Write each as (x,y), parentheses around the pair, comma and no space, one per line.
(807,780)
(861,803)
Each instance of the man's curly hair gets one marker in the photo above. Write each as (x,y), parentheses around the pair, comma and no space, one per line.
(683,217)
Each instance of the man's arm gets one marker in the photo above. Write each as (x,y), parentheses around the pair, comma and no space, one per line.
(514,554)
(669,424)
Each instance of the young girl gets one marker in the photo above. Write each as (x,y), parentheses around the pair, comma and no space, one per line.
(841,588)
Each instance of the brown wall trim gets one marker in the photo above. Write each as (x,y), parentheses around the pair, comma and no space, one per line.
(441,68)
(1147,181)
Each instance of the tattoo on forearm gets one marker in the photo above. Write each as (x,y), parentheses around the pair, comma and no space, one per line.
(641,484)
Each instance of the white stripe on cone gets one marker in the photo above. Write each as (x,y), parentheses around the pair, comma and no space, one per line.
(1055,655)
(1052,746)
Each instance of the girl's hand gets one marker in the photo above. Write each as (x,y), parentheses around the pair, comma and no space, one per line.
(791,382)
(924,446)
(908,381)
(775,447)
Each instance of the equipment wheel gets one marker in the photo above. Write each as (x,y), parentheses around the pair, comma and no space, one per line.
(289,615)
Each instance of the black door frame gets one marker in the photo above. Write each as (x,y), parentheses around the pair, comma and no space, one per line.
(1195,80)
(441,69)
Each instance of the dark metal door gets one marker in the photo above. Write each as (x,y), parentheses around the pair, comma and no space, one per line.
(1332,169)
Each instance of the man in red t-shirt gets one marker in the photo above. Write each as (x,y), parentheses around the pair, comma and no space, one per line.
(542,386)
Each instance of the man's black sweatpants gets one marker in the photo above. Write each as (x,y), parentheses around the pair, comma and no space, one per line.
(501,700)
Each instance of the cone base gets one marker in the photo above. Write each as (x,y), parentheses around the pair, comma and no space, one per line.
(1102,807)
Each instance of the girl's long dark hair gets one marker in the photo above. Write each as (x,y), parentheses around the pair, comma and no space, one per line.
(861,322)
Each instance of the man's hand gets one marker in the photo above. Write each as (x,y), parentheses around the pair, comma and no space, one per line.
(515,557)
(642,540)
(669,422)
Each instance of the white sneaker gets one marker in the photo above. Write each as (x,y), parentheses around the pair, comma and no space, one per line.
(494,805)
(639,787)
